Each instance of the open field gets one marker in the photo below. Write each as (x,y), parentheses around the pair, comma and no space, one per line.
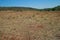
(30,25)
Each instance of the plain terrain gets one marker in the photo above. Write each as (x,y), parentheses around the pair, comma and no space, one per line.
(30,25)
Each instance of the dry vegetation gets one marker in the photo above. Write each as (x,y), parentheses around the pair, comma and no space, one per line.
(29,25)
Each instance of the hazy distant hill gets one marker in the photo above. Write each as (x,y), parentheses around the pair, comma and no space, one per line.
(57,8)
(28,8)
(17,8)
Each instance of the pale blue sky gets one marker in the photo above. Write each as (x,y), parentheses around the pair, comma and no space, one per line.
(30,3)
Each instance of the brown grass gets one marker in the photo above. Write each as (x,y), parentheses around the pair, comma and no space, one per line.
(29,25)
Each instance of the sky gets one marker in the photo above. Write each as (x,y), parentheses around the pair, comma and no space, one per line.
(40,4)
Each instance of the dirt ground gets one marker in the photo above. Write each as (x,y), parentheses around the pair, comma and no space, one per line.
(30,25)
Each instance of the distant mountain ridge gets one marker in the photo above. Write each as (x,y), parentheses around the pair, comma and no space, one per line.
(57,8)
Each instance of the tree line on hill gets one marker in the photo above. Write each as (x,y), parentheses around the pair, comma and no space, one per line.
(57,8)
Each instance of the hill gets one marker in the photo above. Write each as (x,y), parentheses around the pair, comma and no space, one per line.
(57,8)
(28,8)
(17,8)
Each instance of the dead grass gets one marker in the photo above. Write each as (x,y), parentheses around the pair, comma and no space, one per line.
(29,25)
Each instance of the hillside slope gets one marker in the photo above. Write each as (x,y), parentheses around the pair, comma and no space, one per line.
(57,8)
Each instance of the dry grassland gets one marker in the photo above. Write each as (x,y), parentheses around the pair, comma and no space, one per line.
(29,25)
